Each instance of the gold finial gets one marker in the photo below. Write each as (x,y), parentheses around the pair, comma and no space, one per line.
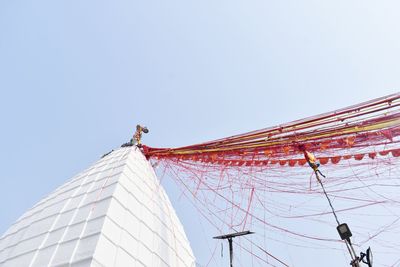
(138,134)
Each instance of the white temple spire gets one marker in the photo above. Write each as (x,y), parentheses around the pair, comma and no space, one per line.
(115,213)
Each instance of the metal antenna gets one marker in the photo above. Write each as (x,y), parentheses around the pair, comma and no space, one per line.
(230,237)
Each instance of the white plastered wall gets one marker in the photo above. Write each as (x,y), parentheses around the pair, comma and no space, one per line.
(113,214)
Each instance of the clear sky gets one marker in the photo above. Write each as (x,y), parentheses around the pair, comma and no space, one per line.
(76,77)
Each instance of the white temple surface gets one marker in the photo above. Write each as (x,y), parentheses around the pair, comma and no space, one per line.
(113,214)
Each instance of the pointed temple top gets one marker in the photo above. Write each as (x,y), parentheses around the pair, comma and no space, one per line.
(114,213)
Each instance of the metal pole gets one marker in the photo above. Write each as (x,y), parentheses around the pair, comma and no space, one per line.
(230,239)
(354,259)
(230,251)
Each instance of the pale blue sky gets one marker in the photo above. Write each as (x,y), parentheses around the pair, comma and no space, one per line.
(76,77)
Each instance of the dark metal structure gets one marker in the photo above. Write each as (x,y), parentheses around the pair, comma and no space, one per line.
(230,237)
